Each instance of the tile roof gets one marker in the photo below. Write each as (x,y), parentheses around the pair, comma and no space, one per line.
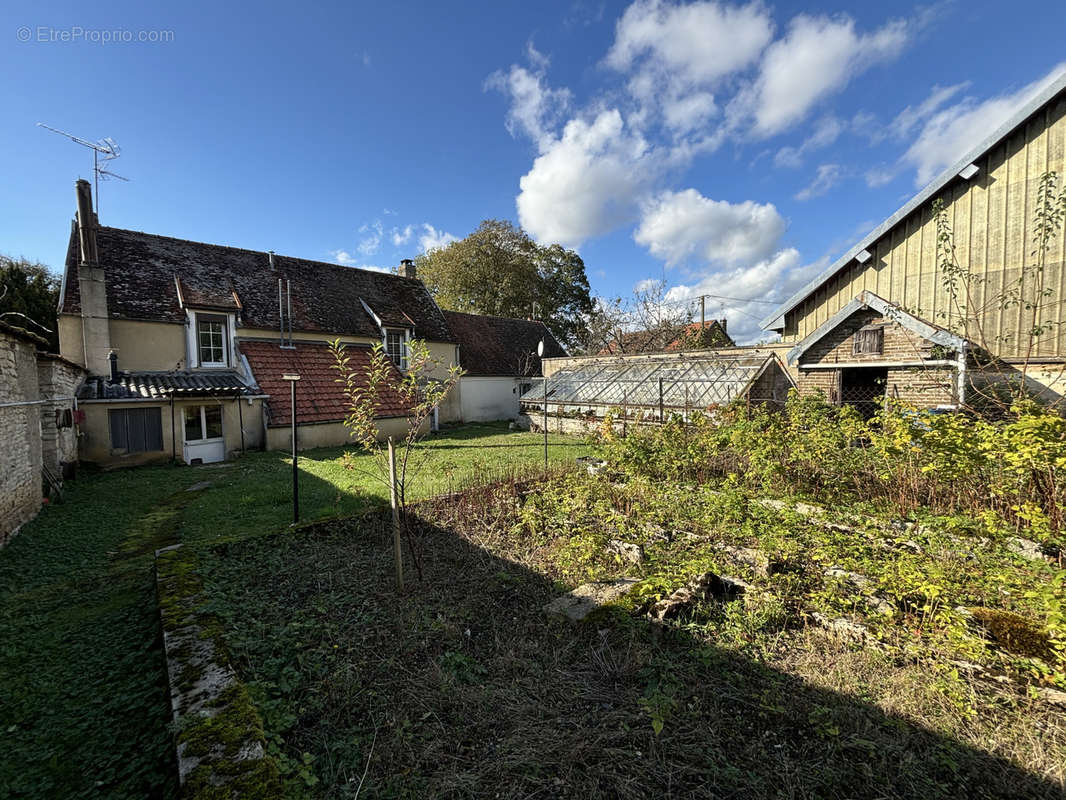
(319,398)
(149,385)
(500,345)
(144,272)
(658,341)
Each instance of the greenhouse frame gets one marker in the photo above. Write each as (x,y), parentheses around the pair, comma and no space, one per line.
(651,388)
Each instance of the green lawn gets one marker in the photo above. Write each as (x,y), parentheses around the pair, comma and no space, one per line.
(84,710)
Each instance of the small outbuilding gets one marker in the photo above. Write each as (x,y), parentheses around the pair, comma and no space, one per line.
(499,360)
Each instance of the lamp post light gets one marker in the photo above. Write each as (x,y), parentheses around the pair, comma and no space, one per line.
(540,355)
(295,481)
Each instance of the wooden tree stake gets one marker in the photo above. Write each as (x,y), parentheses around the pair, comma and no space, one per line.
(396,549)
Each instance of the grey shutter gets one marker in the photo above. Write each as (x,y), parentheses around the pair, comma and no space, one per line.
(153,429)
(117,419)
(135,430)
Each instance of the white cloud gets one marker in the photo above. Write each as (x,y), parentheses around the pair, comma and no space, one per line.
(677,53)
(588,181)
(536,108)
(431,238)
(879,176)
(745,294)
(700,42)
(825,132)
(344,257)
(912,116)
(949,133)
(402,236)
(370,242)
(825,179)
(816,58)
(683,226)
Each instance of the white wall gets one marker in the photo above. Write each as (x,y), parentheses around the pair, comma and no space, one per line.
(486,399)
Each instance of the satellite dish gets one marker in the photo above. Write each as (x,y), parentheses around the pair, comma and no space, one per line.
(540,349)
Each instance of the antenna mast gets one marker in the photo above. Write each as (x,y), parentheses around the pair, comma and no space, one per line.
(105,148)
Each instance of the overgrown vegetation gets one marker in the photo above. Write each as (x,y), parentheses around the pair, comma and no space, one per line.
(1006,473)
(465,688)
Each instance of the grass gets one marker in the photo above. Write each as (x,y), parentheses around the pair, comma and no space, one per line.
(84,710)
(462,687)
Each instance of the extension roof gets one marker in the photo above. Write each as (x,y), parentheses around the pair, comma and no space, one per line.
(164,385)
(319,397)
(696,381)
(776,320)
(867,299)
(155,278)
(501,346)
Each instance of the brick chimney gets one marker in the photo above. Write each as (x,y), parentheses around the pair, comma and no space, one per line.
(407,268)
(722,322)
(95,322)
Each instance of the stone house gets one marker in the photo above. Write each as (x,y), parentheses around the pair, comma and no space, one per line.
(882,320)
(186,343)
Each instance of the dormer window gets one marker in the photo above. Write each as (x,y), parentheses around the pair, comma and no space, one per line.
(396,346)
(211,340)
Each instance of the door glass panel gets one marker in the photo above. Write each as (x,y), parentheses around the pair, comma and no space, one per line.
(213,416)
(191,414)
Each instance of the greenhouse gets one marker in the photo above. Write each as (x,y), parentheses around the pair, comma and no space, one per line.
(653,388)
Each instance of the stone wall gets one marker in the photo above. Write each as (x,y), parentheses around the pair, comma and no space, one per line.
(20,431)
(58,379)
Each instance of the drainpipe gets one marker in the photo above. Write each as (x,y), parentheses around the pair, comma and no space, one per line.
(961,390)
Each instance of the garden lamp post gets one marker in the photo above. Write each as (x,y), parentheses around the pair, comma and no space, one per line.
(295,481)
(540,355)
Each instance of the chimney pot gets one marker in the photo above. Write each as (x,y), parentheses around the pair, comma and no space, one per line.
(722,322)
(407,268)
(270,255)
(112,360)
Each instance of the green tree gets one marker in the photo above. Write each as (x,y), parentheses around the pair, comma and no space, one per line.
(500,270)
(29,294)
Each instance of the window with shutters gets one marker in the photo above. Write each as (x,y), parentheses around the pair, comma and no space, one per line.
(869,340)
(136,430)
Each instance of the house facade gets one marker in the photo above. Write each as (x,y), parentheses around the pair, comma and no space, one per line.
(884,320)
(500,362)
(186,343)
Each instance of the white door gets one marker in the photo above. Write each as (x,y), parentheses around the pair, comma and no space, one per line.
(203,434)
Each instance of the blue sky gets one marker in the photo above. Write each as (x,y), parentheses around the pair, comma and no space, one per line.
(734,148)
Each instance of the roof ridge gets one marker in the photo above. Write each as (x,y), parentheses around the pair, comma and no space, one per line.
(264,253)
(1002,131)
(493,316)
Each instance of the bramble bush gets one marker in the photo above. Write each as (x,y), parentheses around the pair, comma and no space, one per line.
(1004,471)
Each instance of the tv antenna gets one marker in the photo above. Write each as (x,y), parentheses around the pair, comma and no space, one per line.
(104,150)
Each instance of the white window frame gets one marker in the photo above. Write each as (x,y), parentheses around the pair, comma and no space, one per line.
(404,339)
(229,339)
(203,425)
(222,335)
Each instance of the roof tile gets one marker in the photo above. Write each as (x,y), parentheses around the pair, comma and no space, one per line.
(319,397)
